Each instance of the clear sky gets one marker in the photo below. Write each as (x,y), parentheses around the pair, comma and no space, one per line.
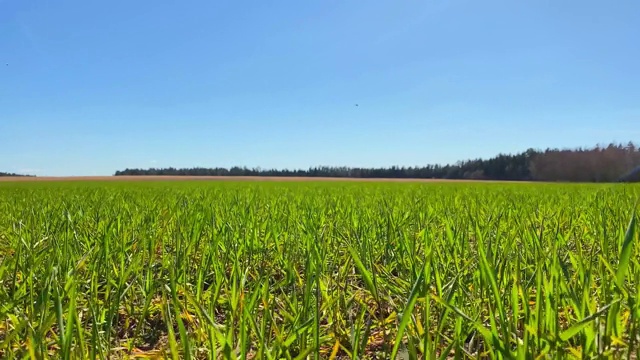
(90,87)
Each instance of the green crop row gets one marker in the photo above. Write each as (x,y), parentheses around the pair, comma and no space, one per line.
(249,270)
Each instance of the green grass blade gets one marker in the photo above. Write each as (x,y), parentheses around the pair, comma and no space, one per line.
(625,252)
(366,275)
(407,311)
(574,329)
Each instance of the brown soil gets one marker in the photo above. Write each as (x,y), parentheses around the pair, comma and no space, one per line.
(210,178)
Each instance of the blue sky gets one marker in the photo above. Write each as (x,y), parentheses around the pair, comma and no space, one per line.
(90,87)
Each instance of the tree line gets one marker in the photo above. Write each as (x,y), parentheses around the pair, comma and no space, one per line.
(12,174)
(615,162)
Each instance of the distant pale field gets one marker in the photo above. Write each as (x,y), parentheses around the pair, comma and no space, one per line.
(313,269)
(211,178)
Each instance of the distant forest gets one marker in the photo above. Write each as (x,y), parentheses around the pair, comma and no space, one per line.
(615,162)
(11,174)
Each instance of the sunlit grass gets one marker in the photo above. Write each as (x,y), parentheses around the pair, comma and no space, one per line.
(318,270)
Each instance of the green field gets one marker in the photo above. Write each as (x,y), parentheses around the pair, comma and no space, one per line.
(318,270)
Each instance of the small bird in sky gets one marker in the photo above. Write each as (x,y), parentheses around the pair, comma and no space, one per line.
(357,105)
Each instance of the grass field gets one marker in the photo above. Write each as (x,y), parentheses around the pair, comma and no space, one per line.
(297,270)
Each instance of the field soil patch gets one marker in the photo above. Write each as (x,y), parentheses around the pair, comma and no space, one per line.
(218,178)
